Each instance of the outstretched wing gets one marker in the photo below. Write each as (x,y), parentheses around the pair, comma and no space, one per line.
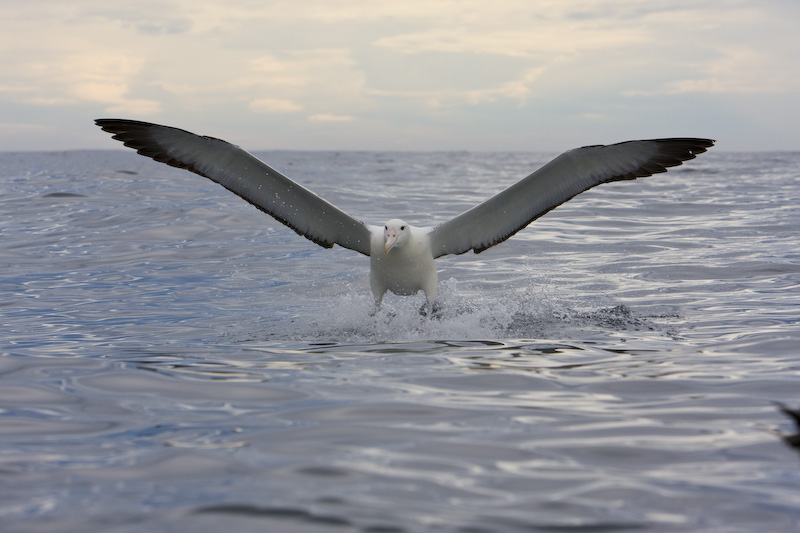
(566,176)
(246,176)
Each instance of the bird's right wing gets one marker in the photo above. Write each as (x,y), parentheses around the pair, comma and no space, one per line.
(566,176)
(246,176)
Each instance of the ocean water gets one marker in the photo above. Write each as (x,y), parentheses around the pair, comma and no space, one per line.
(172,359)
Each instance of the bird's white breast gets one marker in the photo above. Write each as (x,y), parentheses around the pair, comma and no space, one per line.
(406,269)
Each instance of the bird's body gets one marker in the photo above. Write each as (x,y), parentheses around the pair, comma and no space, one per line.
(407,266)
(402,256)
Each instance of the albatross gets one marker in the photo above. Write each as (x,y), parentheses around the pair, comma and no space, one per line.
(401,255)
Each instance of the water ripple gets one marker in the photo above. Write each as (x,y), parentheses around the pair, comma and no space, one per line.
(174,360)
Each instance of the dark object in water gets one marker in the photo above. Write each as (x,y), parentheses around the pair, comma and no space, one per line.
(792,440)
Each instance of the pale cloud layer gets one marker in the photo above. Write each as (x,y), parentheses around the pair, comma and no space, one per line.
(403,74)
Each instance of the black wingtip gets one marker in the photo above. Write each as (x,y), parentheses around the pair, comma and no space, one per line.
(671,152)
(109,124)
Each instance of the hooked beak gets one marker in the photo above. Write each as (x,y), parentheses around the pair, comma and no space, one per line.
(391,239)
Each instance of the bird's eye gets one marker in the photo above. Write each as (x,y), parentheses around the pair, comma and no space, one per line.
(402,228)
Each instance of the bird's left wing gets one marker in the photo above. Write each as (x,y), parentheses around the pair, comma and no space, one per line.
(246,176)
(566,176)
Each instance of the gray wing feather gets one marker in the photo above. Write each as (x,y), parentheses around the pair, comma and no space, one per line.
(568,175)
(246,176)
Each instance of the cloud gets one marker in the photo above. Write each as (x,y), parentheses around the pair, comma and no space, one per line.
(75,78)
(739,70)
(134,106)
(17,127)
(594,116)
(516,90)
(299,68)
(273,105)
(736,70)
(328,117)
(314,80)
(562,38)
(105,78)
(441,66)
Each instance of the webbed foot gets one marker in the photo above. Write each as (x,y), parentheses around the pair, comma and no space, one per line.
(433,310)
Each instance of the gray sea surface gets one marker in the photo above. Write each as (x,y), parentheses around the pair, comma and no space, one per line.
(172,359)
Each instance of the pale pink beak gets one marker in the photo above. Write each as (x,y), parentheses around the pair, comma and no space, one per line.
(391,239)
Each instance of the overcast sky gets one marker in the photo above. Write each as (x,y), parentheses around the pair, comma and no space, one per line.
(403,74)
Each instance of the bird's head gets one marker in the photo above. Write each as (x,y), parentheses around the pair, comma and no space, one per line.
(395,233)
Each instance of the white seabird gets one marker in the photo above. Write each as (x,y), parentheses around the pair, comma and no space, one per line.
(401,255)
